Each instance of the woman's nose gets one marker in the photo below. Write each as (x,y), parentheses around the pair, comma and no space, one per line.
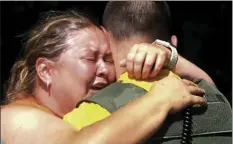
(102,69)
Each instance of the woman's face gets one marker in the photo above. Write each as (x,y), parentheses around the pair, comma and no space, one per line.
(84,68)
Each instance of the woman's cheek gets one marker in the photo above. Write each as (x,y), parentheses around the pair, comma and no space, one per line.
(88,71)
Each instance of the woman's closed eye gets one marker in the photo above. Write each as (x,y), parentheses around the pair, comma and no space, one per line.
(91,59)
(109,59)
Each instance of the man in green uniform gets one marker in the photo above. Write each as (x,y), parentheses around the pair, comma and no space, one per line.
(129,23)
(132,22)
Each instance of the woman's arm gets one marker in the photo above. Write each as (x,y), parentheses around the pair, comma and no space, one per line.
(130,124)
(28,125)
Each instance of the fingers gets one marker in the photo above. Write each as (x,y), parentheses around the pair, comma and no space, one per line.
(123,63)
(130,60)
(135,61)
(148,65)
(145,61)
(160,61)
(129,65)
(138,64)
(197,100)
(187,82)
(195,90)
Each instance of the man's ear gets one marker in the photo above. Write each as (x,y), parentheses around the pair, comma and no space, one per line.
(174,40)
(43,69)
(109,37)
(104,30)
(107,33)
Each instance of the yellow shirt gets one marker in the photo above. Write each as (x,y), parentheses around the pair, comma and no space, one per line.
(146,84)
(89,113)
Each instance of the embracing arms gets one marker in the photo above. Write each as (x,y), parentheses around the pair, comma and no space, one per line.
(130,124)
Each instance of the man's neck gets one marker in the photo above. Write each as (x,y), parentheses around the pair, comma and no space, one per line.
(120,71)
(120,55)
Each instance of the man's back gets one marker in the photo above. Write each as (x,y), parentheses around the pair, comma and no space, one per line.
(209,125)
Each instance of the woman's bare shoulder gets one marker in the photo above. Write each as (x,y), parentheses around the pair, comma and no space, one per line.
(22,124)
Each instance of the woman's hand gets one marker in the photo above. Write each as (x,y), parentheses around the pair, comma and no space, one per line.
(175,94)
(146,60)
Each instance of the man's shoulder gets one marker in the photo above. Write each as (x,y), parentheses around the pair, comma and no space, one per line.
(146,84)
(117,94)
(118,88)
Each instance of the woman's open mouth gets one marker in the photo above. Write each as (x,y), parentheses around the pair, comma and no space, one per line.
(97,87)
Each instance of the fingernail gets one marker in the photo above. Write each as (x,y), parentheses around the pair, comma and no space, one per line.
(197,105)
(203,90)
(152,76)
(122,62)
(130,76)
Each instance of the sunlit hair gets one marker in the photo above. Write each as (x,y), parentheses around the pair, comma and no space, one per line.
(48,40)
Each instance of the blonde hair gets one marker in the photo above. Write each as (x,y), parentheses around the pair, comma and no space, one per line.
(48,39)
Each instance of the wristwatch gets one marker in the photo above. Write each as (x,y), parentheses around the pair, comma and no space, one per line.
(174,54)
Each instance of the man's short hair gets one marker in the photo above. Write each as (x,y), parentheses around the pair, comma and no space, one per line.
(126,19)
